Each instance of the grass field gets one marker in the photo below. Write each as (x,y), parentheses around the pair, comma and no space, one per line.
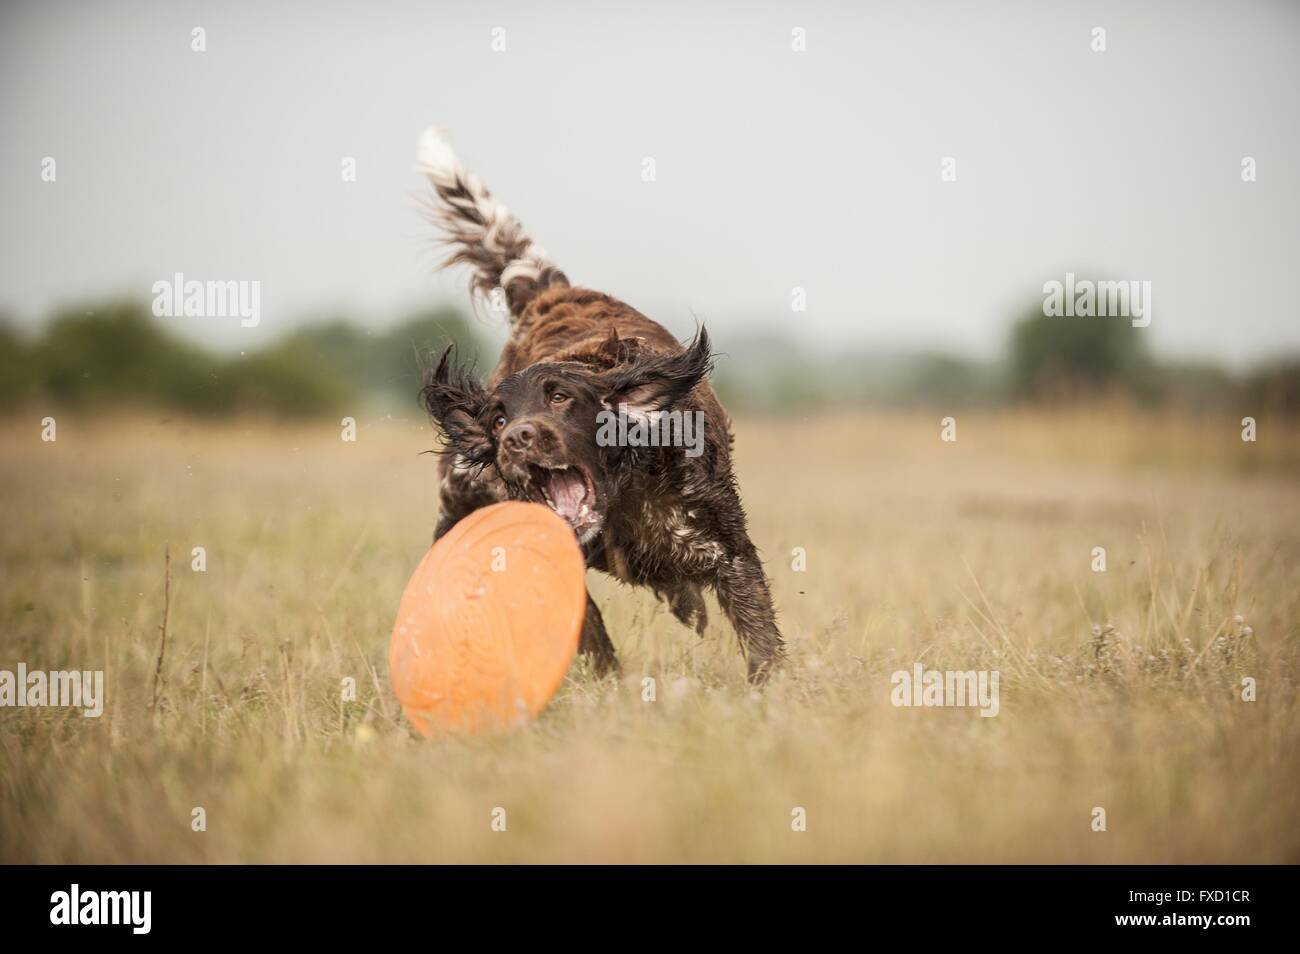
(1120,690)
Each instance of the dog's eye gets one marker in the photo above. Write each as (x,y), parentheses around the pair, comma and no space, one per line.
(498,422)
(559,397)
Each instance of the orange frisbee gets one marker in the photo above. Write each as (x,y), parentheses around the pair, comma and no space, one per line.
(490,621)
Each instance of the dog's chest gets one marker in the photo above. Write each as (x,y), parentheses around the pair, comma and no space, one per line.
(659,541)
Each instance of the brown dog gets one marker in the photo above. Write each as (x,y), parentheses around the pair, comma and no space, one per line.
(578,415)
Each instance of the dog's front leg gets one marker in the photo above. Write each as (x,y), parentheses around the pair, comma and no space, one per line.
(595,641)
(686,603)
(744,596)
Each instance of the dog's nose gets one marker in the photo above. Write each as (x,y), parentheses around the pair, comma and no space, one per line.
(519,437)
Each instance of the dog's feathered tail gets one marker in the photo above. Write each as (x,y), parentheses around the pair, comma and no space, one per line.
(485,235)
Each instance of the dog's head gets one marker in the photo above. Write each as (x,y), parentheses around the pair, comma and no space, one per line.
(539,427)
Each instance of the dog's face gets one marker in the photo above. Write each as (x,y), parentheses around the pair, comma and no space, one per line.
(539,427)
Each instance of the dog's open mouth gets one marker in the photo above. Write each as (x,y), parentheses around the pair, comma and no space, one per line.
(570,492)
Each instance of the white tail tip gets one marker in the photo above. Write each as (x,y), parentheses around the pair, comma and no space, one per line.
(434,155)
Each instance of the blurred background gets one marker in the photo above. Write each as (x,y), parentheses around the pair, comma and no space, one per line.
(775,170)
(282,152)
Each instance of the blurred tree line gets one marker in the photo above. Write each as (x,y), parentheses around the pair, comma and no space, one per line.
(120,355)
(1046,360)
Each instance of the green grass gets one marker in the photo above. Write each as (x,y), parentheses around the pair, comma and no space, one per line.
(974,555)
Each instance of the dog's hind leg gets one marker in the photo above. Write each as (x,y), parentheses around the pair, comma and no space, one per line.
(745,598)
(595,641)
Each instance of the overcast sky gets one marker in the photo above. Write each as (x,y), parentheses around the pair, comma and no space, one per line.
(775,168)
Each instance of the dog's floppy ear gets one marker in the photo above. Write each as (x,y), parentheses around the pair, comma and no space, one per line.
(455,399)
(658,382)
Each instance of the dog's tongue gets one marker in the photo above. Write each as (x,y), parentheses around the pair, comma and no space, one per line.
(567,491)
